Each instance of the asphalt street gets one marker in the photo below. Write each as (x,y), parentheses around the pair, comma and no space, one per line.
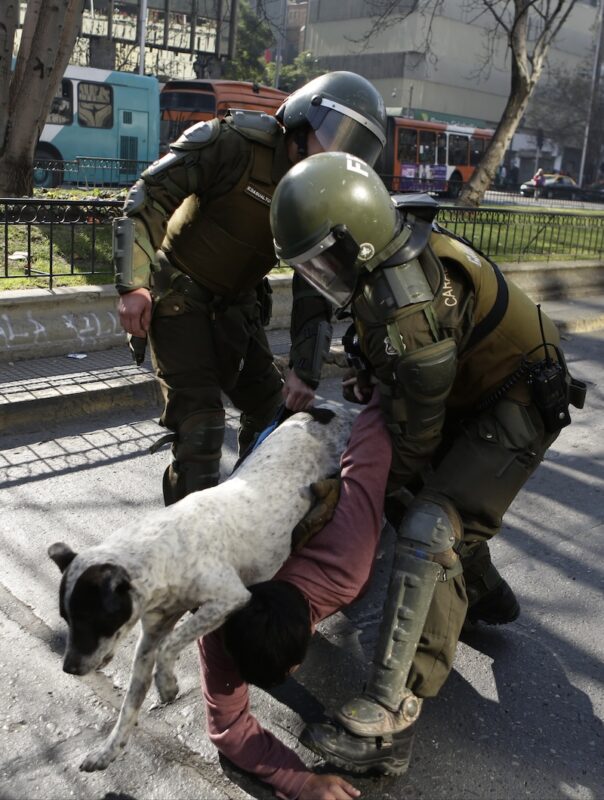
(520,716)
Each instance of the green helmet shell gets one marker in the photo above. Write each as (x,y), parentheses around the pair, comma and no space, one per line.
(327,190)
(344,109)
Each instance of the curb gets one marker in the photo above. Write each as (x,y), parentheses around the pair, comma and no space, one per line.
(54,400)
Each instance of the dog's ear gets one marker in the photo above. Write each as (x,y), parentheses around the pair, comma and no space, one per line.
(115,587)
(61,554)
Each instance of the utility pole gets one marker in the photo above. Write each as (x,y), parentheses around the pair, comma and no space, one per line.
(593,99)
(281,43)
(142,35)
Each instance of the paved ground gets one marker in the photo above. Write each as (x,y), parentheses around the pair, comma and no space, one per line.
(521,715)
(38,392)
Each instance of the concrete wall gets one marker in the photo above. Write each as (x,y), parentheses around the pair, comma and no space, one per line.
(37,322)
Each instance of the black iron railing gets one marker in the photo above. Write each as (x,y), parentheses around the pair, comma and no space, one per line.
(528,235)
(42,240)
(56,238)
(89,172)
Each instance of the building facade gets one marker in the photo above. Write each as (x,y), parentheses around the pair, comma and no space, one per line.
(440,67)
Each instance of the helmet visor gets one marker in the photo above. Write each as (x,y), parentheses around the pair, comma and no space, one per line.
(330,267)
(340,128)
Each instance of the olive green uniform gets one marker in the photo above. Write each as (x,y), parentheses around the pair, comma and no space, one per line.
(444,447)
(452,346)
(202,220)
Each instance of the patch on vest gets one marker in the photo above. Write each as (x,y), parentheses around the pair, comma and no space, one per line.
(448,291)
(258,195)
(390,349)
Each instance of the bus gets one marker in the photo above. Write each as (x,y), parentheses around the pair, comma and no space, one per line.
(184,102)
(434,157)
(103,128)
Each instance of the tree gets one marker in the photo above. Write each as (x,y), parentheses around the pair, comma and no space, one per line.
(303,69)
(47,40)
(527,26)
(559,106)
(254,37)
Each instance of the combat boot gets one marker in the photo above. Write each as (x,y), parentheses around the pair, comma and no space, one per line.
(386,755)
(497,607)
(490,598)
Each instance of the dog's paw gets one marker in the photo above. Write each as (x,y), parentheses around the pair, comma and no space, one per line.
(167,686)
(99,758)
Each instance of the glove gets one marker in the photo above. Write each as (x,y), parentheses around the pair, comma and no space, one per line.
(357,386)
(326,495)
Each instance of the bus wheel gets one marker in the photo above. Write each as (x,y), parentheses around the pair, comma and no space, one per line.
(48,167)
(455,184)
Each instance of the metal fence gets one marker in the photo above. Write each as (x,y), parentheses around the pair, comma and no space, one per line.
(528,235)
(49,239)
(43,240)
(89,172)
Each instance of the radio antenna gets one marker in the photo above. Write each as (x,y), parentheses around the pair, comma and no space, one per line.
(548,358)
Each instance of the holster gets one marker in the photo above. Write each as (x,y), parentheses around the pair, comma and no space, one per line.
(264,294)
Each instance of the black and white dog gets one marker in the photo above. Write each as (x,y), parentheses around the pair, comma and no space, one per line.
(199,553)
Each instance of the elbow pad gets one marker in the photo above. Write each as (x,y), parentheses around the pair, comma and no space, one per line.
(133,254)
(310,351)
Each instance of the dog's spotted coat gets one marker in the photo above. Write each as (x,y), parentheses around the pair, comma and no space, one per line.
(199,553)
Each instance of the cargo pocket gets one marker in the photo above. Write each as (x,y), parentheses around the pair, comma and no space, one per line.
(172,305)
(490,461)
(233,328)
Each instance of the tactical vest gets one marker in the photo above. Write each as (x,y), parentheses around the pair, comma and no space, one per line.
(487,358)
(224,241)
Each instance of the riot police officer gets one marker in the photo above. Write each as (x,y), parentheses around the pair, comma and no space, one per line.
(474,389)
(191,253)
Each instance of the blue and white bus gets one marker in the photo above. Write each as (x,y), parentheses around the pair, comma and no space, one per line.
(103,128)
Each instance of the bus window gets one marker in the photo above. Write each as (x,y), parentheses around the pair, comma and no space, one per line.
(61,110)
(95,105)
(407,146)
(458,150)
(427,147)
(441,148)
(188,101)
(477,147)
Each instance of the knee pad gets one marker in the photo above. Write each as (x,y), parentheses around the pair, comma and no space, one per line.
(196,456)
(433,526)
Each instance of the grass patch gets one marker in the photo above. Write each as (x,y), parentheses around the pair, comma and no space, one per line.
(79,254)
(76,254)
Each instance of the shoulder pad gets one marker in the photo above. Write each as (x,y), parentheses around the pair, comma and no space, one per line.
(255,125)
(447,246)
(198,135)
(423,206)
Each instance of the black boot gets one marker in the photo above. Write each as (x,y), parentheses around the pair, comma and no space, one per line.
(497,607)
(386,755)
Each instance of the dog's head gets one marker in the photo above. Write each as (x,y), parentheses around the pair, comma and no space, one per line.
(98,604)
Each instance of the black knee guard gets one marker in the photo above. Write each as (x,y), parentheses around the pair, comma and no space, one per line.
(196,456)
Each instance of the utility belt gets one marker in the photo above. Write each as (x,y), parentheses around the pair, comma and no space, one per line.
(169,279)
(552,387)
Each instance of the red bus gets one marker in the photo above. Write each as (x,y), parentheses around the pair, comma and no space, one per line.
(431,156)
(182,103)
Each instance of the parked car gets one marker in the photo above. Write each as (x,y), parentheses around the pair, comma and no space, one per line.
(555,186)
(593,193)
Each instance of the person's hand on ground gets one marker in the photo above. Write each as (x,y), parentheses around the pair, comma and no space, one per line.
(328,787)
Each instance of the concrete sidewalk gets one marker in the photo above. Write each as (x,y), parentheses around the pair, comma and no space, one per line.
(36,393)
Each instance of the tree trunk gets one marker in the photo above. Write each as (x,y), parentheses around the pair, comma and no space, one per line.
(9,16)
(49,35)
(484,175)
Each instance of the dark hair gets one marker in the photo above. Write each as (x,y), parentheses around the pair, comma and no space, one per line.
(270,635)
